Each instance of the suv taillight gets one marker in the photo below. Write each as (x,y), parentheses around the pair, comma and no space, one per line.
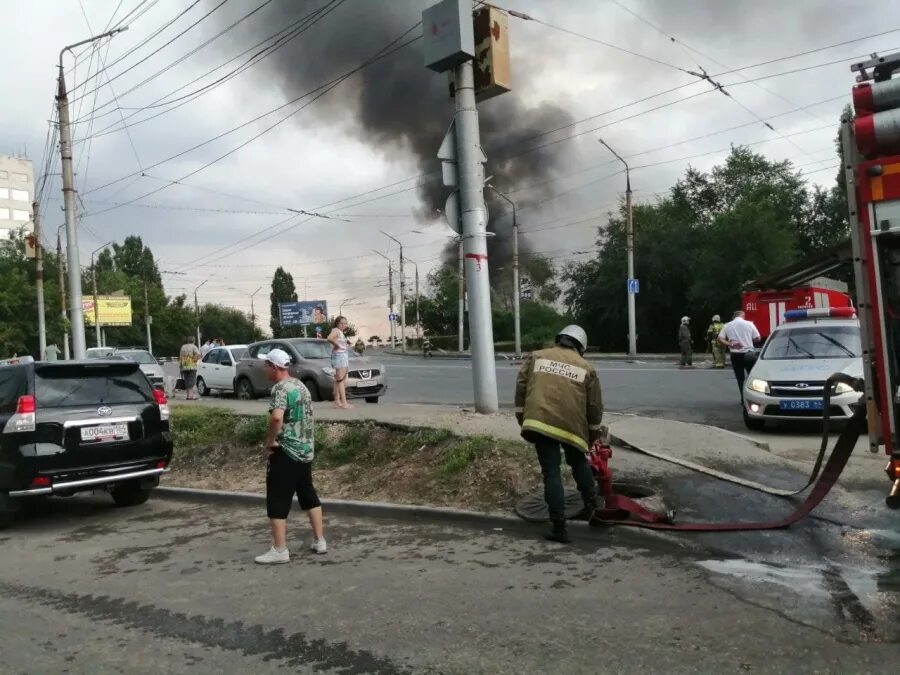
(24,418)
(160,397)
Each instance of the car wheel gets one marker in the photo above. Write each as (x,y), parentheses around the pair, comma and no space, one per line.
(313,388)
(372,399)
(245,390)
(754,424)
(202,389)
(130,494)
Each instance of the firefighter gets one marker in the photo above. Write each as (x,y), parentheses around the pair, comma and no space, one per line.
(712,339)
(559,408)
(686,343)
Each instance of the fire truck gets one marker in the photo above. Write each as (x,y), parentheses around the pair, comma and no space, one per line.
(766,308)
(870,141)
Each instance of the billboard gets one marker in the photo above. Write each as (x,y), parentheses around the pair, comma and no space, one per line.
(306,313)
(114,310)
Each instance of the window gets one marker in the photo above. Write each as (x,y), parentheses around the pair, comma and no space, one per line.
(90,386)
(261,350)
(213,357)
(313,349)
(239,353)
(21,216)
(4,193)
(4,214)
(138,355)
(19,195)
(13,384)
(814,342)
(20,177)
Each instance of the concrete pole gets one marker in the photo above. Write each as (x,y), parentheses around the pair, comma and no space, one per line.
(390,292)
(629,245)
(39,282)
(76,307)
(62,290)
(517,314)
(197,311)
(462,299)
(252,306)
(402,294)
(96,302)
(474,230)
(147,319)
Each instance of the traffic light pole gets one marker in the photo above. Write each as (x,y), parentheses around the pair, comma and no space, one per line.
(474,230)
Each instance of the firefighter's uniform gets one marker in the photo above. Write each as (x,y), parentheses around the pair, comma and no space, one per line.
(712,337)
(559,406)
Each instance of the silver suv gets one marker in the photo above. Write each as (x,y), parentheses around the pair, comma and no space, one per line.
(149,365)
(311,364)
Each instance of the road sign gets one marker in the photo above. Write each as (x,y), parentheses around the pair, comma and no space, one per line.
(454,217)
(634,286)
(392,318)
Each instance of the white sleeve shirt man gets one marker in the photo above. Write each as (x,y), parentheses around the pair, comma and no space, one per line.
(740,335)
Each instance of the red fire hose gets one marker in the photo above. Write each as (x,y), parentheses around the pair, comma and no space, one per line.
(621,510)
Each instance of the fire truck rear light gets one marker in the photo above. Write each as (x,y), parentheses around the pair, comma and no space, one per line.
(26,405)
(40,482)
(820,313)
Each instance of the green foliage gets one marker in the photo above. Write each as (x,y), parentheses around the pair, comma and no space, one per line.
(697,247)
(283,290)
(468,451)
(231,325)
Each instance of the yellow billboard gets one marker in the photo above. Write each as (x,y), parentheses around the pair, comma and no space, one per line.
(113,310)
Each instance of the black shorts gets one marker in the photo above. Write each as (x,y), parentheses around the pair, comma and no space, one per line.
(284,478)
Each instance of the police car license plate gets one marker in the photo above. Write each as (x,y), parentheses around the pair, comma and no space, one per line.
(105,432)
(802,404)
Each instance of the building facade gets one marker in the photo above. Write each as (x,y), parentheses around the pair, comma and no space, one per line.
(16,194)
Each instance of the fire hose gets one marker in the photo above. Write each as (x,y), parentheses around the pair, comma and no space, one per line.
(621,510)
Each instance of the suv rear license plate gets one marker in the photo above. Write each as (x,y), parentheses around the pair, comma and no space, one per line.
(802,404)
(105,432)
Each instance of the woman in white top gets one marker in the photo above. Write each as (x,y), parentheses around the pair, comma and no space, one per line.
(340,361)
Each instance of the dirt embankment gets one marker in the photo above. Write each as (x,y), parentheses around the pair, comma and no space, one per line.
(218,449)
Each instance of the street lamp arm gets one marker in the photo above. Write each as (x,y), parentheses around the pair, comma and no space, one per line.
(110,33)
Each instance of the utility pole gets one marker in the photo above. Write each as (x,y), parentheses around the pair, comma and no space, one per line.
(76,308)
(474,230)
(96,299)
(148,320)
(39,281)
(629,248)
(517,315)
(197,310)
(390,293)
(462,299)
(62,290)
(252,307)
(418,322)
(402,295)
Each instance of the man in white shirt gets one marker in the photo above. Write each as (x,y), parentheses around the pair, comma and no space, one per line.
(206,348)
(739,335)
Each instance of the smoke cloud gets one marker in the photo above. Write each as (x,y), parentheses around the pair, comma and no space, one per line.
(398,106)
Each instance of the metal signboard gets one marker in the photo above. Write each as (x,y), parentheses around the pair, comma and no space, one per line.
(304,313)
(113,310)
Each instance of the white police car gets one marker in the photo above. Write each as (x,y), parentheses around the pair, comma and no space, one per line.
(788,380)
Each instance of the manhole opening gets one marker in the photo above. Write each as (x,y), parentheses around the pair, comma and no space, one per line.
(633,490)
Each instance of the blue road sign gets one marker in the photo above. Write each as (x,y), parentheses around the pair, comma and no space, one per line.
(634,286)
(392,318)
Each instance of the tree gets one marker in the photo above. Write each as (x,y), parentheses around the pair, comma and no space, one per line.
(233,326)
(283,290)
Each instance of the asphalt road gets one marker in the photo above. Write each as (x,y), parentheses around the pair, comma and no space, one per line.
(656,389)
(171,587)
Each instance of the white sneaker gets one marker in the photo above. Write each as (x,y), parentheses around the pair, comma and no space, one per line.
(273,557)
(318,546)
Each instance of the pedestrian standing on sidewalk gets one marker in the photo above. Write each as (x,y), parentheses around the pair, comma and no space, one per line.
(187,361)
(290,445)
(712,338)
(739,335)
(685,342)
(559,408)
(340,361)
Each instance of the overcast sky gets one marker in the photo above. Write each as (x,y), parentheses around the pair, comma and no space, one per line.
(371,131)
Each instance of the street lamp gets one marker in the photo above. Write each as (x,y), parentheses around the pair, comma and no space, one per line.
(96,300)
(629,248)
(79,344)
(341,306)
(418,323)
(197,310)
(390,291)
(252,307)
(402,294)
(517,317)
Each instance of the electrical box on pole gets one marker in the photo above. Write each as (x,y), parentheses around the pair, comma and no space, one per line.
(448,34)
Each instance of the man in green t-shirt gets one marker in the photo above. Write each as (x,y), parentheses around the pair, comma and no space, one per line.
(290,443)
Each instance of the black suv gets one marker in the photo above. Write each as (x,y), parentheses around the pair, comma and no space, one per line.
(74,426)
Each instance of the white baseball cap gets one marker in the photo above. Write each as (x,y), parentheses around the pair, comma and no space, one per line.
(278,358)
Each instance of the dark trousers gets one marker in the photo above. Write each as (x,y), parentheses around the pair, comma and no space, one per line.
(739,363)
(548,452)
(687,354)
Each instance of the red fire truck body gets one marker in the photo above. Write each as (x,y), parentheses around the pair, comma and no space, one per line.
(766,308)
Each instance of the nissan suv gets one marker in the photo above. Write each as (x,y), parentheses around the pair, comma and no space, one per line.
(311,364)
(75,426)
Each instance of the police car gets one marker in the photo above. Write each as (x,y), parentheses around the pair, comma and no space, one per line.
(788,380)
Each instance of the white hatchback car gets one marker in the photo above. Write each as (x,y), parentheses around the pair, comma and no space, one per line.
(217,369)
(787,381)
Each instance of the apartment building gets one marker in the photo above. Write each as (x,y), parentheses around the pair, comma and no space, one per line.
(16,194)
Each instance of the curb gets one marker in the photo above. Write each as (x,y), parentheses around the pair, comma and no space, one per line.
(433,514)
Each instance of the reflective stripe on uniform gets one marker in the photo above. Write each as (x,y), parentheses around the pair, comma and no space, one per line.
(555,432)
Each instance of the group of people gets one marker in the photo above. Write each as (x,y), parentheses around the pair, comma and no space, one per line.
(738,336)
(209,345)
